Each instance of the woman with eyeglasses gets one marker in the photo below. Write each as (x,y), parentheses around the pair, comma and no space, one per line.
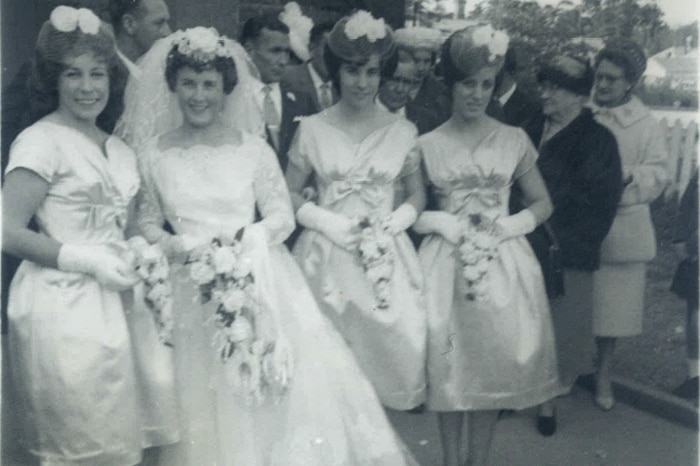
(618,287)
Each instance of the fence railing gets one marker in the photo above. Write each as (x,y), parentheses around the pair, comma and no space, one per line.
(682,142)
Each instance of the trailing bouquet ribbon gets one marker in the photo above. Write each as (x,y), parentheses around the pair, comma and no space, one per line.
(248,338)
(151,264)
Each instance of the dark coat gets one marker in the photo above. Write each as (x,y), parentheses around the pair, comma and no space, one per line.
(294,105)
(685,280)
(297,78)
(431,106)
(582,170)
(518,109)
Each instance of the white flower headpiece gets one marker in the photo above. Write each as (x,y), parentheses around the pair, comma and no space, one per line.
(202,44)
(496,41)
(68,19)
(362,23)
(299,29)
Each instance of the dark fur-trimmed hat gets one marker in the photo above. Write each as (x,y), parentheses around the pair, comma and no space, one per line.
(570,72)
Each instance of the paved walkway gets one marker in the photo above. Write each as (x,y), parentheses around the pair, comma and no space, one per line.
(586,436)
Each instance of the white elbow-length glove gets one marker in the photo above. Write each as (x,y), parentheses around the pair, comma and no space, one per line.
(177,248)
(436,221)
(520,224)
(338,228)
(100,261)
(402,218)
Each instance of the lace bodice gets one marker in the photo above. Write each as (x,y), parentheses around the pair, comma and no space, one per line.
(467,182)
(89,191)
(203,191)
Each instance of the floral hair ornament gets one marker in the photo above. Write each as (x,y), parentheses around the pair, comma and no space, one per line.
(474,47)
(68,19)
(360,35)
(201,44)
(299,29)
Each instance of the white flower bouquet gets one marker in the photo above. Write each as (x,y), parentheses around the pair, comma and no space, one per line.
(377,256)
(259,362)
(150,263)
(478,246)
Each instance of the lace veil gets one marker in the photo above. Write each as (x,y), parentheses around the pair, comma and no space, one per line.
(151,109)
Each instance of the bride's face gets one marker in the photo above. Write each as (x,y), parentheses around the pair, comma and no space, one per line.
(200,95)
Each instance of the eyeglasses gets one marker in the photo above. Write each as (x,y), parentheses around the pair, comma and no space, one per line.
(404,82)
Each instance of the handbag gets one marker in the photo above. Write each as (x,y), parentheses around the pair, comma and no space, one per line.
(552,268)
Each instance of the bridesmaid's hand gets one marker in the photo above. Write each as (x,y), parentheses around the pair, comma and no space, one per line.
(344,233)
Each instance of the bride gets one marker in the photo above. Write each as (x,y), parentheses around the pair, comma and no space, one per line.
(205,178)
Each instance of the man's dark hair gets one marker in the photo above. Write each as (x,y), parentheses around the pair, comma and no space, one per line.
(319,30)
(254,26)
(118,8)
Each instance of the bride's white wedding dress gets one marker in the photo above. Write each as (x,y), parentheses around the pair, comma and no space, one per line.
(330,414)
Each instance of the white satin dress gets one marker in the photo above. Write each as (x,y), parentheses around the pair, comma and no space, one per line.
(330,415)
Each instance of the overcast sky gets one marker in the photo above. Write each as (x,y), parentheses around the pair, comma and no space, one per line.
(676,12)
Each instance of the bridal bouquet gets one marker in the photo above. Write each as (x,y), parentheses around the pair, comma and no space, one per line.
(377,255)
(477,248)
(150,263)
(258,359)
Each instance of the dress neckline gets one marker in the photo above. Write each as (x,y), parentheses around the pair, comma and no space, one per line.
(104,151)
(363,140)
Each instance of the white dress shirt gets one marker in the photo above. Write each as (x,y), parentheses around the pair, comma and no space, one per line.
(318,84)
(400,112)
(506,95)
(275,93)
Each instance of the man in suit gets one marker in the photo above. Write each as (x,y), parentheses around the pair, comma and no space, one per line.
(312,77)
(266,39)
(510,104)
(430,103)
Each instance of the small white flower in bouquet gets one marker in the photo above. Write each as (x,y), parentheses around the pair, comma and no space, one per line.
(245,337)
(377,256)
(151,265)
(477,248)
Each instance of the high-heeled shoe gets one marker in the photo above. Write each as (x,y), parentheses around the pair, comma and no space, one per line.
(547,425)
(605,402)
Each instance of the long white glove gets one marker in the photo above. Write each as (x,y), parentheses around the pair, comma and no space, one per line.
(255,236)
(100,261)
(338,228)
(436,221)
(402,218)
(177,248)
(520,224)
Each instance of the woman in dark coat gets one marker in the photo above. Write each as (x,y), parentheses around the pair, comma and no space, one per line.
(581,167)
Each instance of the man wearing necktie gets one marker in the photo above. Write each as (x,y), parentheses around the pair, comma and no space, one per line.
(266,39)
(312,77)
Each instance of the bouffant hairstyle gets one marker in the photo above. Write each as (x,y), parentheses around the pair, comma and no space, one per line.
(453,72)
(53,49)
(177,60)
(387,65)
(626,54)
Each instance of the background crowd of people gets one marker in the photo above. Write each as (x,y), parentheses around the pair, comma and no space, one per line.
(397,198)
